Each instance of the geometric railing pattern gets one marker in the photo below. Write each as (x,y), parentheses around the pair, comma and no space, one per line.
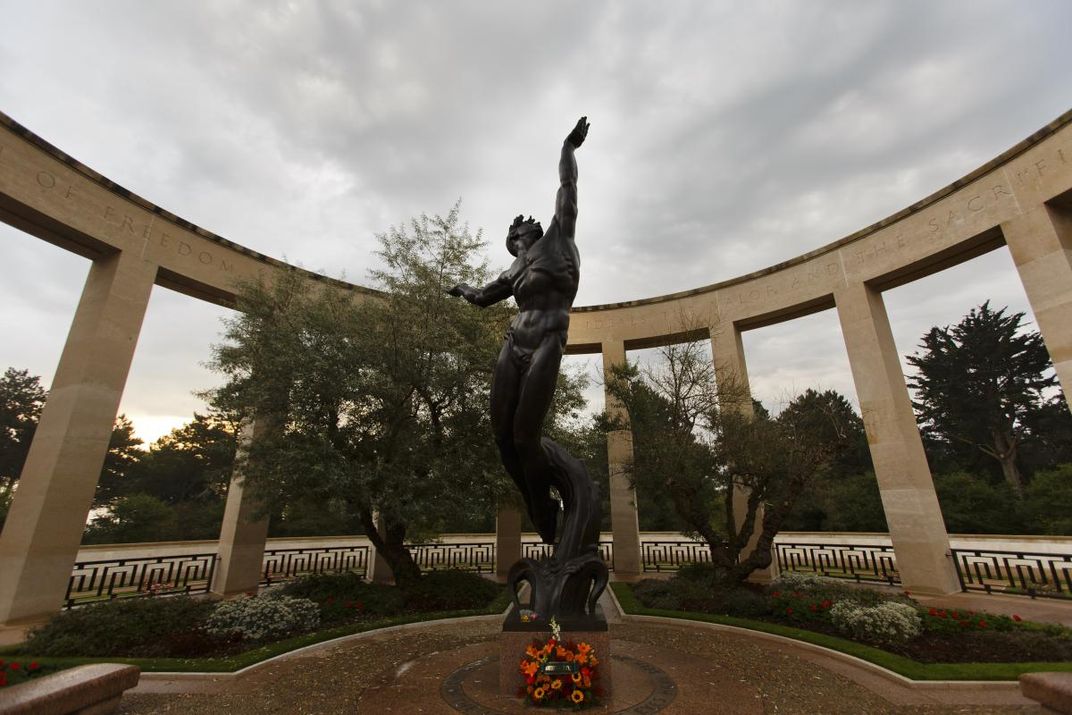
(1014,572)
(285,564)
(93,581)
(858,562)
(539,550)
(986,571)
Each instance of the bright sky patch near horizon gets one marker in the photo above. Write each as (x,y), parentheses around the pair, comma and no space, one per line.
(725,138)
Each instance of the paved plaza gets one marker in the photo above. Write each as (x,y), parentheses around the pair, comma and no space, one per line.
(659,666)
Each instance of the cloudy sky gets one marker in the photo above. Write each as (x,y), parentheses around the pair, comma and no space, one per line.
(725,137)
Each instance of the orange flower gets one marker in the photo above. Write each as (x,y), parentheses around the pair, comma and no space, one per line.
(581,658)
(532,652)
(560,652)
(587,682)
(583,648)
(529,668)
(556,684)
(577,696)
(593,660)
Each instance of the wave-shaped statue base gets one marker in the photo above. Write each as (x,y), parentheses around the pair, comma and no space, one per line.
(567,584)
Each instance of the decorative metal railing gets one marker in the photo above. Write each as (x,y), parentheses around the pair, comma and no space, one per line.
(539,550)
(662,556)
(859,562)
(285,564)
(1014,572)
(93,581)
(476,556)
(987,571)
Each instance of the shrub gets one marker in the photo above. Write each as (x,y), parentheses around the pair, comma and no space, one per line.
(135,627)
(346,596)
(800,606)
(798,581)
(657,593)
(450,591)
(258,617)
(888,622)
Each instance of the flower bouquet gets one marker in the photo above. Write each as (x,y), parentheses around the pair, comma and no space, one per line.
(558,672)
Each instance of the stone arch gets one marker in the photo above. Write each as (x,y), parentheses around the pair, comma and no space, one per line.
(1022,198)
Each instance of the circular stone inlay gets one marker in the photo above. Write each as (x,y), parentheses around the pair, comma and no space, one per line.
(639,687)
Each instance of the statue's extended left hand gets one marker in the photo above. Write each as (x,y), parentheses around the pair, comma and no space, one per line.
(577,136)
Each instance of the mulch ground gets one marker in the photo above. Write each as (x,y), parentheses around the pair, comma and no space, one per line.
(400,672)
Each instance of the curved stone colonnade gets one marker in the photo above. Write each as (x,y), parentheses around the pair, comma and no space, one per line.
(1022,198)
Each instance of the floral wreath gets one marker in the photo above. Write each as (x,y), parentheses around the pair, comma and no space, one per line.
(557,672)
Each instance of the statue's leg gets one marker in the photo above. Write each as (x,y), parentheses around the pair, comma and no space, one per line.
(505,388)
(534,400)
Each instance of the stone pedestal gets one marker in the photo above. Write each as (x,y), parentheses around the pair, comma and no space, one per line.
(516,636)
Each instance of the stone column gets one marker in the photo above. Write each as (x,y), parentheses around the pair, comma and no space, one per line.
(625,526)
(914,517)
(507,539)
(1040,242)
(48,515)
(731,376)
(244,532)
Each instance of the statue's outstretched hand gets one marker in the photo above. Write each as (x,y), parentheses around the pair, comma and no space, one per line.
(456,291)
(577,136)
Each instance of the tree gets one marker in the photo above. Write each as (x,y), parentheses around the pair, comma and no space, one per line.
(191,463)
(697,444)
(977,383)
(377,405)
(21,400)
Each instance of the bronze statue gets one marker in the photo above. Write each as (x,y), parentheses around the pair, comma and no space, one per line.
(543,281)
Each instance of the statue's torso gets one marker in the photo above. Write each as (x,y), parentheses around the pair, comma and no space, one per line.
(544,280)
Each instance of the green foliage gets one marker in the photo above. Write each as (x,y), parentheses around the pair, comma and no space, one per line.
(696,445)
(346,596)
(134,518)
(144,627)
(19,671)
(1048,502)
(21,400)
(450,591)
(262,617)
(971,505)
(977,383)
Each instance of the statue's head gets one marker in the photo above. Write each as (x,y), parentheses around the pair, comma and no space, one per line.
(524,230)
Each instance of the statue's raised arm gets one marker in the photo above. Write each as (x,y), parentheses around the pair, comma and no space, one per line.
(566,202)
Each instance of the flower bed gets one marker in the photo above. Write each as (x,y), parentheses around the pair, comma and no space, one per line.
(895,623)
(183,627)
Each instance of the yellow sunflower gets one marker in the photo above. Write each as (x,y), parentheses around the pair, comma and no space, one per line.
(538,693)
(577,696)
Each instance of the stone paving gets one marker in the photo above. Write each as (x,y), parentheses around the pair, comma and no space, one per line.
(713,670)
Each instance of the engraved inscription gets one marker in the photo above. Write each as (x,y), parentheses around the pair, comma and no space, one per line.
(973,205)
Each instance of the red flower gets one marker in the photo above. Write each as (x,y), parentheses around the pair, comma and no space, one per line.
(982,623)
(15,666)
(34,665)
(813,607)
(1016,618)
(776,594)
(933,612)
(789,611)
(3,679)
(827,603)
(956,615)
(941,613)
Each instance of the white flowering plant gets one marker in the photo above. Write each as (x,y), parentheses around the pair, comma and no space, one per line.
(886,623)
(259,617)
